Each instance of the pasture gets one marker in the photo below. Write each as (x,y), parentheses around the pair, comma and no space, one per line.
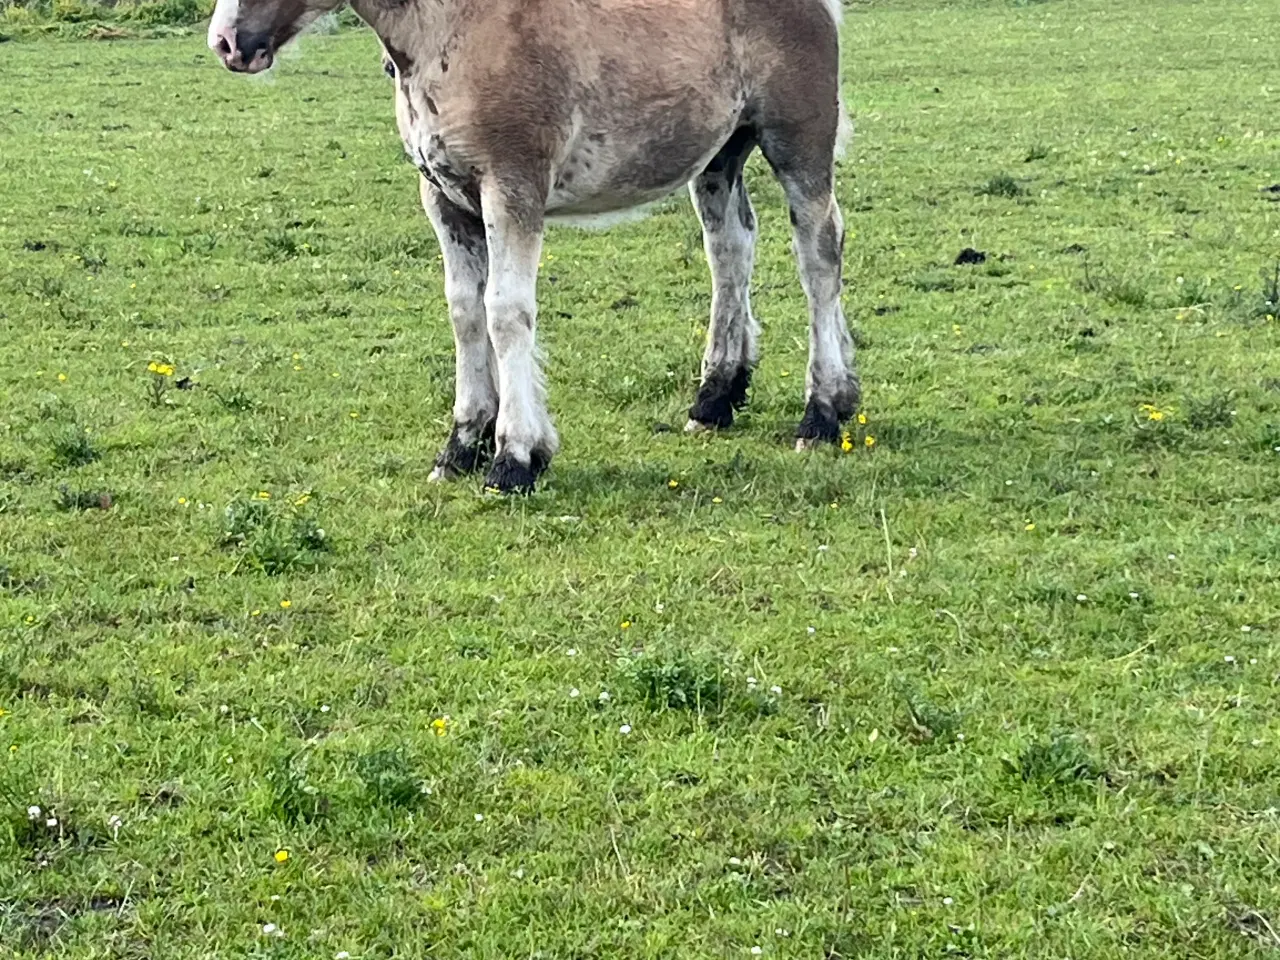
(999,679)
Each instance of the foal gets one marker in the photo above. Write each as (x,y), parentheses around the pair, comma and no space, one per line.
(517,112)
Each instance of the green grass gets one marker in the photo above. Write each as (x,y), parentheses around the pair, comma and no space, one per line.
(1017,710)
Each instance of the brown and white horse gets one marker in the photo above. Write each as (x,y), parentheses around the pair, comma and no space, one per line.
(521,111)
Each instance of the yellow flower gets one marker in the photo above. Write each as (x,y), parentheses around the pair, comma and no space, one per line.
(286,604)
(440,726)
(255,613)
(3,712)
(297,356)
(1152,411)
(717,500)
(13,748)
(672,484)
(1029,527)
(262,495)
(626,624)
(297,366)
(786,373)
(955,328)
(354,415)
(182,501)
(869,441)
(846,443)
(862,419)
(282,855)
(302,500)
(62,378)
(160,369)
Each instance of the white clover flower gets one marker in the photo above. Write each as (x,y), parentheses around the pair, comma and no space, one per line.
(574,692)
(625,729)
(33,811)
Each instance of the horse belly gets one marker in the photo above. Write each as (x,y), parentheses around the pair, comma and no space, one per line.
(602,175)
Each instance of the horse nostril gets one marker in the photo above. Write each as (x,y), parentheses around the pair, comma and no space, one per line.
(224,47)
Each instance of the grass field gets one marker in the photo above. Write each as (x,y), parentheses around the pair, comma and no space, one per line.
(1003,684)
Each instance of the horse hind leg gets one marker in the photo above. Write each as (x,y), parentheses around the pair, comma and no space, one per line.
(803,161)
(729,236)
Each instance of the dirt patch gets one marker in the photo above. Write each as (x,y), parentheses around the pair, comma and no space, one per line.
(38,921)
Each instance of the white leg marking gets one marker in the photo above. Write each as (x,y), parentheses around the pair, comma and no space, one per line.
(510,301)
(729,238)
(818,243)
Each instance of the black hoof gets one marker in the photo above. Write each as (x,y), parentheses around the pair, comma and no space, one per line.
(509,476)
(458,457)
(719,396)
(820,423)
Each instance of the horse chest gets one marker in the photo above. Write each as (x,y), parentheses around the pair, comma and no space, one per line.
(428,149)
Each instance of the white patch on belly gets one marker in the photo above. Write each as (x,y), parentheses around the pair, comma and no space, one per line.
(603,221)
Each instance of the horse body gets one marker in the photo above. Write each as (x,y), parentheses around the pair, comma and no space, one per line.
(520,111)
